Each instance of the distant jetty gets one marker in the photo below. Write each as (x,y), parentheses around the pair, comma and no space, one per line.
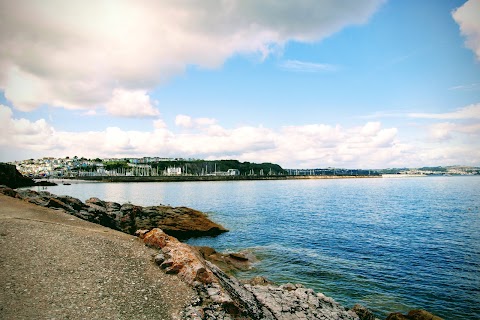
(213,178)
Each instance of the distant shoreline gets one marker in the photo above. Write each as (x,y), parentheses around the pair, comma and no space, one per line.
(207,178)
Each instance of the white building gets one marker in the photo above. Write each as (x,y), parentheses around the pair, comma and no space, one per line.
(174,171)
(233,172)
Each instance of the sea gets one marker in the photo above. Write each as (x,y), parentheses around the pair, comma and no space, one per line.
(391,245)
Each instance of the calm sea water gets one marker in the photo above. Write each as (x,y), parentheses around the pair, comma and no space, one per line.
(389,244)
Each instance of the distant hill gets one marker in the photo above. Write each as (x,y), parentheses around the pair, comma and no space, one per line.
(199,167)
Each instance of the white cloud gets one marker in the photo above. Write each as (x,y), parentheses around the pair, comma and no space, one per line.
(447,130)
(469,112)
(307,67)
(182,120)
(468,18)
(370,145)
(75,54)
(134,104)
(36,135)
(185,121)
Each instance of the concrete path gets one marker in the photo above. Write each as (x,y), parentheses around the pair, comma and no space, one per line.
(56,266)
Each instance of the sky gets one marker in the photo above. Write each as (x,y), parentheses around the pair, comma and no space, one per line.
(302,83)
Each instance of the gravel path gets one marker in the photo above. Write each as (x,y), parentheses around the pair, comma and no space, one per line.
(56,266)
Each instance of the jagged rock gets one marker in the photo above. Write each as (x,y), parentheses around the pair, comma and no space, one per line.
(8,191)
(58,204)
(180,222)
(179,257)
(159,258)
(258,281)
(75,203)
(363,313)
(413,315)
(286,303)
(244,300)
(141,233)
(228,262)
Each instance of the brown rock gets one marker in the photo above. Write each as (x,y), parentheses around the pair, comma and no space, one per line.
(56,203)
(413,315)
(422,315)
(238,256)
(8,191)
(205,251)
(141,233)
(228,262)
(179,258)
(363,313)
(396,316)
(259,281)
(183,222)
(156,238)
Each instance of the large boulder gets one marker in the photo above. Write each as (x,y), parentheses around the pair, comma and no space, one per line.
(180,222)
(413,315)
(179,257)
(10,177)
(228,262)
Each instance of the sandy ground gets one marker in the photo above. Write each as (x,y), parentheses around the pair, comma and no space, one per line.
(56,266)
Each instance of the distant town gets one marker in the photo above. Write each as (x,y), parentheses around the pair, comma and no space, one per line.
(78,167)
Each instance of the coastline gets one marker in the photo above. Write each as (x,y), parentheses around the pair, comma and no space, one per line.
(208,178)
(216,291)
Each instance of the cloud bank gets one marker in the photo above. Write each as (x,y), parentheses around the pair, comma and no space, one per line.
(370,145)
(85,55)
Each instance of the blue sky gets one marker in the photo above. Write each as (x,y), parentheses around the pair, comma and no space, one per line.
(306,84)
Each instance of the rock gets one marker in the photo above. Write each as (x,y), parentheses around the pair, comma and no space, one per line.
(75,203)
(413,315)
(159,258)
(396,316)
(141,233)
(238,256)
(10,177)
(205,251)
(245,302)
(95,201)
(58,204)
(363,313)
(180,222)
(8,191)
(258,281)
(291,302)
(179,258)
(422,315)
(228,262)
(224,297)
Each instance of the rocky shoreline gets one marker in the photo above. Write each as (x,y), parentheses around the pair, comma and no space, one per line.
(219,295)
(180,222)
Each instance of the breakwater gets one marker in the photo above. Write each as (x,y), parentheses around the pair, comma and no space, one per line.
(212,178)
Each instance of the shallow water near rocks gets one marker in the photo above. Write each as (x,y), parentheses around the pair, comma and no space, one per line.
(389,244)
